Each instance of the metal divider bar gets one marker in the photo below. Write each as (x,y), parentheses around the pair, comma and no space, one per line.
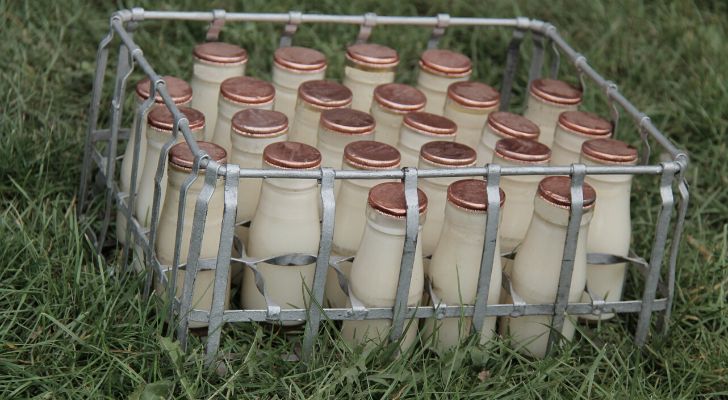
(537,55)
(509,72)
(365,30)
(294,20)
(443,21)
(675,247)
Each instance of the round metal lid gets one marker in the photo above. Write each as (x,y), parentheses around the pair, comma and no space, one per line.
(220,53)
(471,194)
(181,156)
(399,97)
(368,154)
(247,90)
(301,59)
(372,55)
(609,151)
(446,62)
(508,124)
(448,154)
(585,123)
(557,191)
(430,124)
(473,94)
(292,155)
(556,91)
(325,94)
(180,90)
(259,123)
(162,119)
(388,198)
(347,121)
(523,151)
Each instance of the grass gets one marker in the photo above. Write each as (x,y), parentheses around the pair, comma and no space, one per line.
(69,330)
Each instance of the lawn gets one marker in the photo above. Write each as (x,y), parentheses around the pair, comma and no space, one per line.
(70,330)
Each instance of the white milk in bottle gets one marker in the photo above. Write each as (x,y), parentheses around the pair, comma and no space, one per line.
(390,104)
(285,222)
(468,104)
(214,62)
(313,98)
(181,94)
(339,127)
(375,272)
(419,128)
(368,65)
(436,155)
(291,67)
(351,204)
(455,266)
(536,269)
(180,164)
(547,99)
(500,125)
(237,94)
(572,130)
(611,227)
(438,69)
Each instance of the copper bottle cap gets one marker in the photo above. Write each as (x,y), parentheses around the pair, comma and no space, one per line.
(609,151)
(388,198)
(523,151)
(325,94)
(347,121)
(181,157)
(162,119)
(584,123)
(446,63)
(471,194)
(180,90)
(299,59)
(259,123)
(247,90)
(371,55)
(556,91)
(291,155)
(557,191)
(448,154)
(220,53)
(473,94)
(507,124)
(430,124)
(399,98)
(368,154)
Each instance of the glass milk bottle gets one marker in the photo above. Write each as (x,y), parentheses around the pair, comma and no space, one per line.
(455,266)
(573,129)
(237,94)
(285,222)
(214,62)
(375,272)
(180,164)
(520,189)
(611,227)
(419,128)
(181,94)
(252,130)
(500,125)
(313,98)
(291,67)
(339,127)
(159,131)
(468,104)
(435,155)
(368,65)
(438,69)
(536,269)
(389,105)
(351,204)
(547,99)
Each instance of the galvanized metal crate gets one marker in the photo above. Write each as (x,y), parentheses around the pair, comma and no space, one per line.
(101,150)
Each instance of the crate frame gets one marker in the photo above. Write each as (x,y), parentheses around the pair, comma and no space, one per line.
(122,24)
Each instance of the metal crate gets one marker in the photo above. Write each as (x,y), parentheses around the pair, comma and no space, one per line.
(101,147)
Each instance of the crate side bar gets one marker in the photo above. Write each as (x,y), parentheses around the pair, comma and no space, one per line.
(684,193)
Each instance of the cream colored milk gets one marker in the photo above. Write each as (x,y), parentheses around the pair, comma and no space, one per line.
(362,84)
(206,80)
(286,83)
